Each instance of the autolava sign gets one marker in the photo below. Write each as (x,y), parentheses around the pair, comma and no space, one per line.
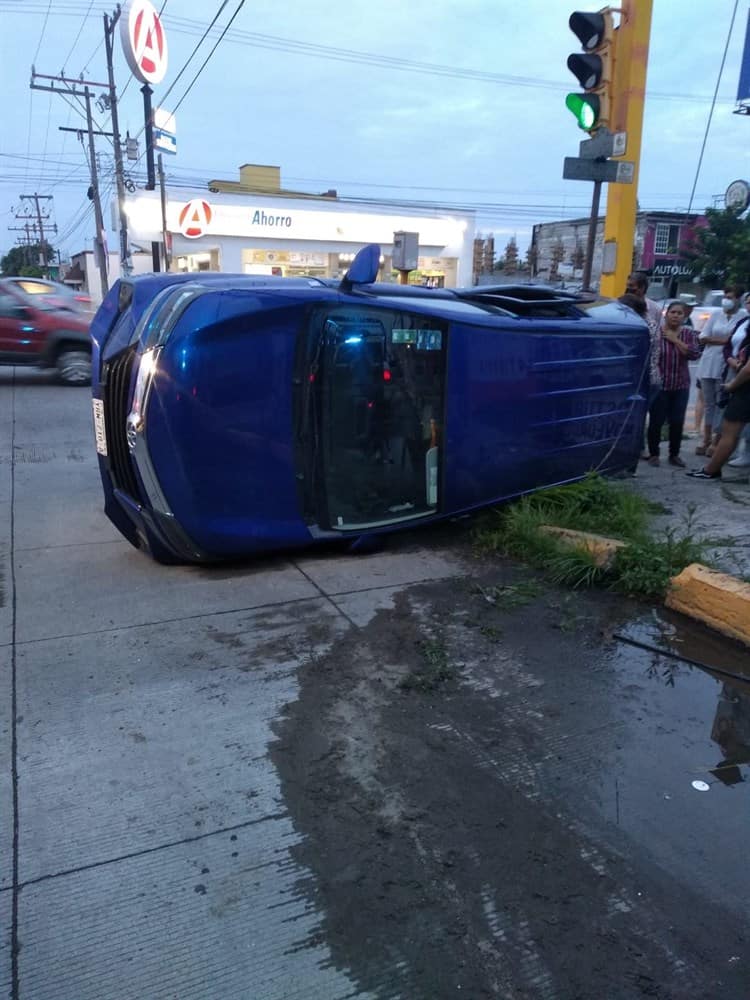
(143,41)
(672,269)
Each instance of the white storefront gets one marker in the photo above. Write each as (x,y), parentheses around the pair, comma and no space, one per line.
(266,234)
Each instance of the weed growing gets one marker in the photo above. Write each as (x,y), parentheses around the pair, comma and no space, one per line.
(642,568)
(434,670)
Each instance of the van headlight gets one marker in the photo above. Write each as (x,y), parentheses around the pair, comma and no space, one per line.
(146,369)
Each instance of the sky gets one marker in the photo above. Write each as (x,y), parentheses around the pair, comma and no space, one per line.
(332,95)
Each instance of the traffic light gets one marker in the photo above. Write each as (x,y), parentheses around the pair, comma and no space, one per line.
(593,68)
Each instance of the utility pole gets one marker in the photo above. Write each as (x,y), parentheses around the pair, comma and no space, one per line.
(33,229)
(163,198)
(99,218)
(148,122)
(109,28)
(36,198)
(68,87)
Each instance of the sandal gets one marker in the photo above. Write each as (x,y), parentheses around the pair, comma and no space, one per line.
(701,449)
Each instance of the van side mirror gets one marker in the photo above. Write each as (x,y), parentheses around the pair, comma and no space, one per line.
(364,269)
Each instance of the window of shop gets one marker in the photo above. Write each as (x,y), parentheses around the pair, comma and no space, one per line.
(667,238)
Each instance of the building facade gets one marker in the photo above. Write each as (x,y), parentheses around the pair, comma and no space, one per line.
(252,226)
(661,241)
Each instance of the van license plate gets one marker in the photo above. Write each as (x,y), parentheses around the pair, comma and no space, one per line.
(100,433)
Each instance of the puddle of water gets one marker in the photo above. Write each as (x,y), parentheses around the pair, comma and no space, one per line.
(675,647)
(681,725)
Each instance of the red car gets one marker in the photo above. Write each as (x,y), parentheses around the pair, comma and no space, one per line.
(33,332)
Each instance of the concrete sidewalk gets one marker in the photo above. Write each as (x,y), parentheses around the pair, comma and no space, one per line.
(715,509)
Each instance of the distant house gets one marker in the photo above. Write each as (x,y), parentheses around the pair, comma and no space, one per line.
(83,273)
(661,239)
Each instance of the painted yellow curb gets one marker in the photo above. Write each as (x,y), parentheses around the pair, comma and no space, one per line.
(718,600)
(603,550)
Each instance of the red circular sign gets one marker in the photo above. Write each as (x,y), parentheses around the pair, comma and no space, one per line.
(143,41)
(195,218)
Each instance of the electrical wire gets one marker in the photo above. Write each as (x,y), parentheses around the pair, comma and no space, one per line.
(713,105)
(203,65)
(240,5)
(75,40)
(41,37)
(339,54)
(189,59)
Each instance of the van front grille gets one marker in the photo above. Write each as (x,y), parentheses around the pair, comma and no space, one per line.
(116,409)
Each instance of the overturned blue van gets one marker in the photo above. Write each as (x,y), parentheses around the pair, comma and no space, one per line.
(240,414)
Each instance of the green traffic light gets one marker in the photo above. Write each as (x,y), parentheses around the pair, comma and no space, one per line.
(585,108)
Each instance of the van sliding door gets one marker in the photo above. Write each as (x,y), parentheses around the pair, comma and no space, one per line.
(382,394)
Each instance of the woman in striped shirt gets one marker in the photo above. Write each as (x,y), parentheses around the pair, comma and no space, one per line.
(678,344)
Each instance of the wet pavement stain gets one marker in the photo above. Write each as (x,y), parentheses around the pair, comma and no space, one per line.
(482,838)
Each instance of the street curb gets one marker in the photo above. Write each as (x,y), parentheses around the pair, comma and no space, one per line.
(602,550)
(717,599)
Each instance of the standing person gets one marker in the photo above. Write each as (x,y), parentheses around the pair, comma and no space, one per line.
(736,415)
(714,337)
(637,284)
(678,345)
(636,287)
(741,458)
(635,292)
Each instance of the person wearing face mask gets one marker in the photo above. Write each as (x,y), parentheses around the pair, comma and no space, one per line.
(714,337)
(678,344)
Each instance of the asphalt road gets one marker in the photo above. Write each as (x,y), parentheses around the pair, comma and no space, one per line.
(413,774)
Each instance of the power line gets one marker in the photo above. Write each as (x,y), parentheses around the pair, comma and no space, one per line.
(240,5)
(189,59)
(44,27)
(340,54)
(80,29)
(713,104)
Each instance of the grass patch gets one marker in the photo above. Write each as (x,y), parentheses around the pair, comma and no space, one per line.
(642,568)
(434,670)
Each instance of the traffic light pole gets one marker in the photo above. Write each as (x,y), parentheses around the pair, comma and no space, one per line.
(630,90)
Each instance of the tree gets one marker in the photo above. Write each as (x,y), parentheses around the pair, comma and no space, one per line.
(720,251)
(532,259)
(511,255)
(24,260)
(556,257)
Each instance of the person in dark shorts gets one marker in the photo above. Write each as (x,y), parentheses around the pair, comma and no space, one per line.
(736,416)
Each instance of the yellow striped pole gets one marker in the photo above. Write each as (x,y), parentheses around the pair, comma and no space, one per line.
(631,66)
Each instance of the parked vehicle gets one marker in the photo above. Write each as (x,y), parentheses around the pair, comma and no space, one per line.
(61,297)
(33,332)
(711,304)
(235,414)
